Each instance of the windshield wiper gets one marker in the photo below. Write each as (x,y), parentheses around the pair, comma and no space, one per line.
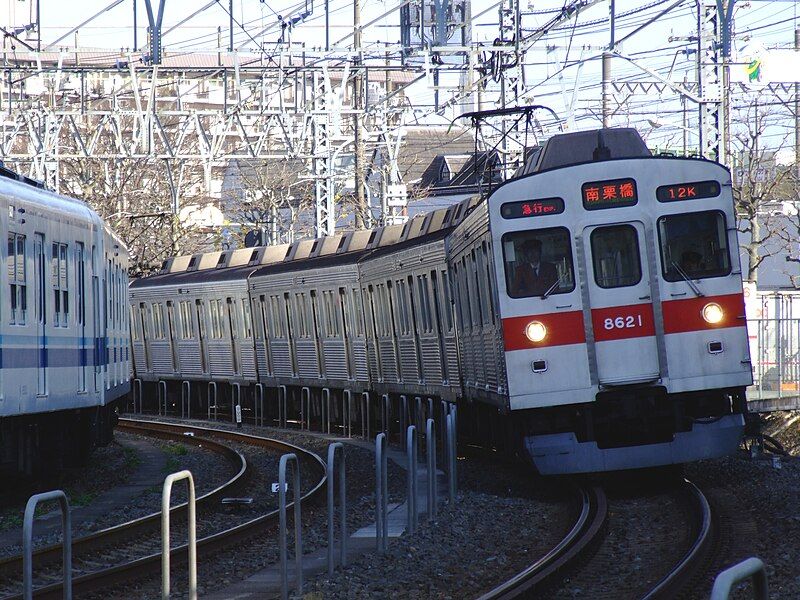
(556,284)
(685,277)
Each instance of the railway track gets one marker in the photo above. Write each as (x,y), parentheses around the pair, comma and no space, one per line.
(586,531)
(691,566)
(141,537)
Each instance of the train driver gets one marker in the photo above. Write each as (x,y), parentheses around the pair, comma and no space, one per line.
(691,262)
(533,276)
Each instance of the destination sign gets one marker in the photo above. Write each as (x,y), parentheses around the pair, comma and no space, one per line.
(532,208)
(688,191)
(609,194)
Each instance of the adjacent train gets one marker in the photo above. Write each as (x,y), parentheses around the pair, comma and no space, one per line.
(588,313)
(64,332)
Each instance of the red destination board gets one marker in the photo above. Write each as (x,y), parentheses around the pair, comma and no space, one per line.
(609,194)
(532,208)
(688,191)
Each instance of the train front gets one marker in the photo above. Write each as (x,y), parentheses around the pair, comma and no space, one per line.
(621,298)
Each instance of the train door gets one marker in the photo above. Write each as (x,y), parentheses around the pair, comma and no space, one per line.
(291,332)
(618,280)
(201,335)
(265,332)
(80,285)
(173,339)
(41,315)
(141,315)
(99,335)
(316,332)
(439,325)
(234,334)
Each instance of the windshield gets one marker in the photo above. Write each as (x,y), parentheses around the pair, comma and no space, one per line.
(538,262)
(694,244)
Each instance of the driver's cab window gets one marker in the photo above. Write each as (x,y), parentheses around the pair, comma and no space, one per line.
(694,246)
(538,262)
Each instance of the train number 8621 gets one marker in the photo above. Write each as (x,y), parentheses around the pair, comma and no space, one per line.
(628,322)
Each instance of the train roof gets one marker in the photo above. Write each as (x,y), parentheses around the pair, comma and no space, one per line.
(344,248)
(14,186)
(578,147)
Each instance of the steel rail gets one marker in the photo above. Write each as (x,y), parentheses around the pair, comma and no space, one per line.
(588,528)
(674,582)
(11,565)
(151,564)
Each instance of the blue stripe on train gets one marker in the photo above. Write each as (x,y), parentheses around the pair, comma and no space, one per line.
(28,357)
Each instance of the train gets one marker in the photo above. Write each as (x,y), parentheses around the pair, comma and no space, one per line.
(587,314)
(64,331)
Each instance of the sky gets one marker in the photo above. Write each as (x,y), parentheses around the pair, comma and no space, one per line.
(561,67)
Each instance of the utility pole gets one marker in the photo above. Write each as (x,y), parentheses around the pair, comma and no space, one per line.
(327,26)
(797,116)
(135,39)
(155,29)
(358,91)
(684,123)
(230,25)
(606,71)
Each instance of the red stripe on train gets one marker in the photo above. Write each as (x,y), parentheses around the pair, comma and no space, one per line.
(681,316)
(562,329)
(623,322)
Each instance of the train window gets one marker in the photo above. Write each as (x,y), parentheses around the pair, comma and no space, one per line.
(384,308)
(426,317)
(80,288)
(233,318)
(464,294)
(158,322)
(301,314)
(187,320)
(447,308)
(615,256)
(247,319)
(217,325)
(358,312)
(60,284)
(277,316)
(400,307)
(135,330)
(329,314)
(487,252)
(538,262)
(476,291)
(15,262)
(694,246)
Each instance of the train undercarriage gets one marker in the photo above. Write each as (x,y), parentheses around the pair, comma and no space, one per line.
(42,443)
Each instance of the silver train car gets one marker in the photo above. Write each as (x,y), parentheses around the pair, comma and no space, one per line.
(587,314)
(64,331)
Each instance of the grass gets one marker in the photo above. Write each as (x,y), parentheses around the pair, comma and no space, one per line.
(82,499)
(175,449)
(11,521)
(132,458)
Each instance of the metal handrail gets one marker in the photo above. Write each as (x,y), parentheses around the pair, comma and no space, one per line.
(27,542)
(166,494)
(298,530)
(747,569)
(330,468)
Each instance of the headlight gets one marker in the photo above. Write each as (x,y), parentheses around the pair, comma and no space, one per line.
(713,313)
(535,331)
